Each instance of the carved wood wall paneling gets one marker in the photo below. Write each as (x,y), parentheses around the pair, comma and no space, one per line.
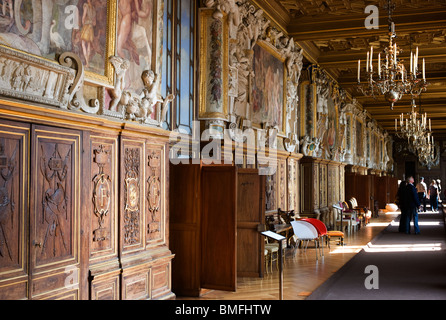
(104,215)
(104,198)
(309,187)
(282,184)
(55,234)
(145,256)
(271,193)
(136,284)
(132,190)
(106,287)
(155,194)
(291,185)
(14,218)
(161,279)
(294,183)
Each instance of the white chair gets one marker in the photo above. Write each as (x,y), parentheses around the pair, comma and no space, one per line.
(305,231)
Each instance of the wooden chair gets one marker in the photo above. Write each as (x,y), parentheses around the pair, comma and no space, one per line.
(267,258)
(351,214)
(344,222)
(273,253)
(362,211)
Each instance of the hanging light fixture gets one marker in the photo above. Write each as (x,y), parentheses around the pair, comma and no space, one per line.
(392,79)
(415,127)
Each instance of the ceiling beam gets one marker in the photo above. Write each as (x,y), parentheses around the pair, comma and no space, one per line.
(347,26)
(350,59)
(275,12)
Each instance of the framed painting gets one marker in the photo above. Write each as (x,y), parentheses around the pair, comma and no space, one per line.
(269,87)
(137,39)
(308,98)
(359,139)
(214,66)
(330,138)
(49,28)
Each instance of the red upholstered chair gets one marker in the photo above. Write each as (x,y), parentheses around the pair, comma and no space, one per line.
(320,228)
(324,233)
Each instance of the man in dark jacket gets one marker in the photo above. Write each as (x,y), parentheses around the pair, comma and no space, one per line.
(412,205)
(402,203)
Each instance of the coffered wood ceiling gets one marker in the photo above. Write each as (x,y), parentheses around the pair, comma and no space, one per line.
(333,35)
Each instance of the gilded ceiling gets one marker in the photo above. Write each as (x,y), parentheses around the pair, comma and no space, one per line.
(333,35)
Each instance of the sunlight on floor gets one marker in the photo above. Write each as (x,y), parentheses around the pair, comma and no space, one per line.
(423,223)
(370,247)
(378,224)
(347,249)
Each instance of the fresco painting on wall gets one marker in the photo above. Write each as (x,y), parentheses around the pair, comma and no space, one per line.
(48,28)
(330,135)
(268,88)
(135,38)
(359,139)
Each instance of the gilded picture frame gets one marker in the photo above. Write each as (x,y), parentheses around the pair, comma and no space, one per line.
(87,29)
(214,66)
(308,114)
(271,79)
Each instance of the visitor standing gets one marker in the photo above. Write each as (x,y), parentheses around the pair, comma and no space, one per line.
(413,204)
(422,192)
(433,196)
(402,204)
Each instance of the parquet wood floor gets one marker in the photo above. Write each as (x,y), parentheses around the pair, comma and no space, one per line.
(302,273)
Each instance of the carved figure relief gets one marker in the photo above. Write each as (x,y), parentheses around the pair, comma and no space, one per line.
(54,169)
(131,193)
(101,193)
(270,196)
(7,202)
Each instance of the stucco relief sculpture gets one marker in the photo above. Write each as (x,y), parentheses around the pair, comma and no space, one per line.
(127,104)
(29,78)
(247,25)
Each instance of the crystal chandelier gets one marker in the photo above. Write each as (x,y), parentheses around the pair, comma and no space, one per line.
(419,136)
(427,152)
(414,128)
(392,79)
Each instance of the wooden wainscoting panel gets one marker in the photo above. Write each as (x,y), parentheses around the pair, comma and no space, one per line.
(161,280)
(155,194)
(136,283)
(14,216)
(250,215)
(55,209)
(104,197)
(132,191)
(106,287)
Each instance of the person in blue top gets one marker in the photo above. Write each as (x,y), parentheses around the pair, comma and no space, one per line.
(412,205)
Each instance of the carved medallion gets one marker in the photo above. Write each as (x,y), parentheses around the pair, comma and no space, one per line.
(154,194)
(132,196)
(101,193)
(132,203)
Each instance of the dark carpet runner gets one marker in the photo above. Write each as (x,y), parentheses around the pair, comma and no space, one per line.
(402,266)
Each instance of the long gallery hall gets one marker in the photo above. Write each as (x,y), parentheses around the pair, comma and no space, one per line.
(222,150)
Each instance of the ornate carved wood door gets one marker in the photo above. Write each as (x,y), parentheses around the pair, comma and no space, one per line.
(55,213)
(14,159)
